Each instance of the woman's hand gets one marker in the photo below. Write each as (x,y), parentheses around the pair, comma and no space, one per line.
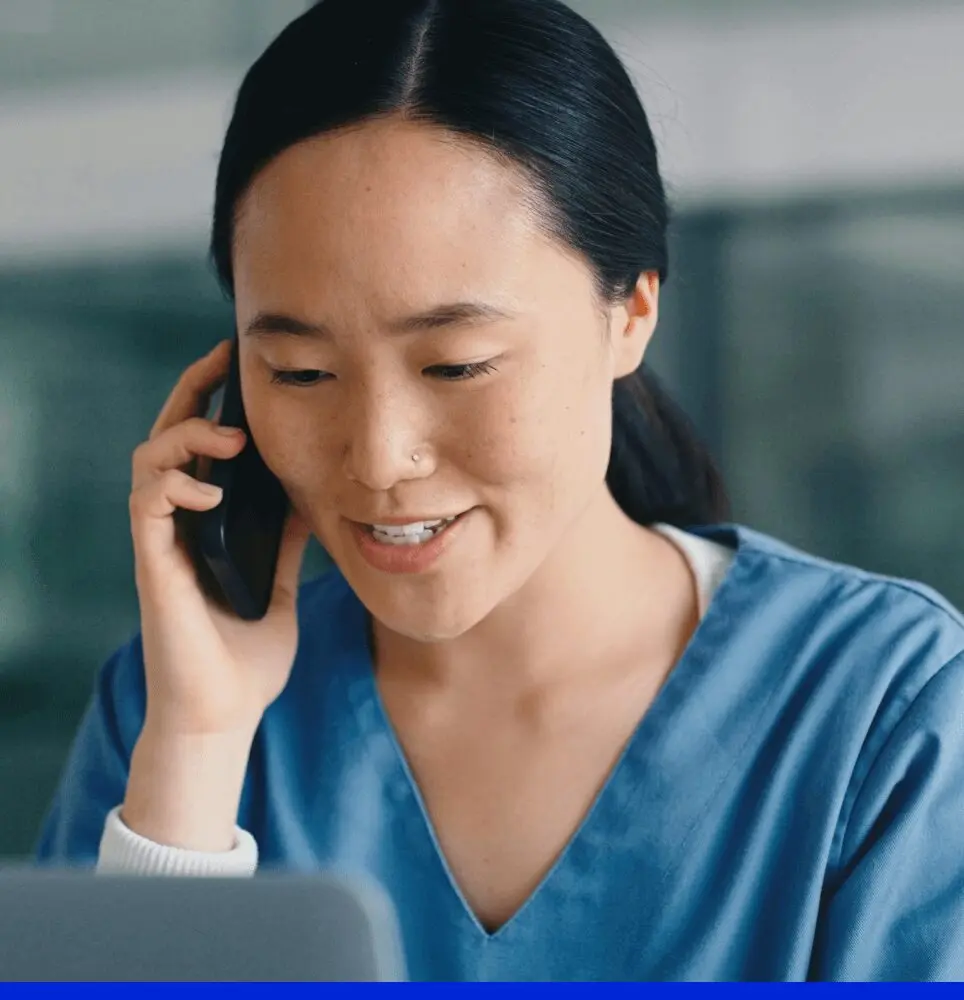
(210,675)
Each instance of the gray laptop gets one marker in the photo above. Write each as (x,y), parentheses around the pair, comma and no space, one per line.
(77,926)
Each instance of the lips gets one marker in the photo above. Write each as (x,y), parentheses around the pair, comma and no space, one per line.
(412,550)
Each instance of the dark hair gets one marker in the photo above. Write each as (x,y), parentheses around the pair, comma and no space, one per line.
(537,84)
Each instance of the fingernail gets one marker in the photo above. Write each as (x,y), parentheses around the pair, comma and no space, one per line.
(229,431)
(210,489)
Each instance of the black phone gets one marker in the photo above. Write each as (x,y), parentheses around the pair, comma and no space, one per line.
(239,540)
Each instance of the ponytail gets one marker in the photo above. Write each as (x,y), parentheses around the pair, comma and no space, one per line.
(659,471)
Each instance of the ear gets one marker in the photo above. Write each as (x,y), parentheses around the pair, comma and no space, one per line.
(632,323)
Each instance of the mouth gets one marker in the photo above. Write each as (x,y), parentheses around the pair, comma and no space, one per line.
(413,533)
(407,548)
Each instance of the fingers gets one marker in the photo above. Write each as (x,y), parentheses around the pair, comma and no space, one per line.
(176,446)
(153,504)
(190,395)
(294,541)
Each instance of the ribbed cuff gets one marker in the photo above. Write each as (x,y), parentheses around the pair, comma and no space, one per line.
(124,852)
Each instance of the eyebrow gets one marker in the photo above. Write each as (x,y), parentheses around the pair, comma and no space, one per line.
(270,324)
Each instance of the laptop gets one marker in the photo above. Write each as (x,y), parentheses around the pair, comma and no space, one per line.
(70,925)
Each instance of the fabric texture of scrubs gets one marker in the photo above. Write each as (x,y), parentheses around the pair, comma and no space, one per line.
(791,806)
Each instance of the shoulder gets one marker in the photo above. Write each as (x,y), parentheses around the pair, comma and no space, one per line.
(834,600)
(851,648)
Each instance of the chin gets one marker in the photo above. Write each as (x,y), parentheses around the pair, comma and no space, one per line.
(426,622)
(433,635)
(432,607)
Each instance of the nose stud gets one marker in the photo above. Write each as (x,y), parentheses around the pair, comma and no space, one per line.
(415,457)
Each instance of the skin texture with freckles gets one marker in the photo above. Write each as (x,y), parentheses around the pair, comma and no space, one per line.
(517,665)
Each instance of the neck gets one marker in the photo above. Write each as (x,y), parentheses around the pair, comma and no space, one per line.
(610,589)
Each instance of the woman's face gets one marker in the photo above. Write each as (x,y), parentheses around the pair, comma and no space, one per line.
(397,297)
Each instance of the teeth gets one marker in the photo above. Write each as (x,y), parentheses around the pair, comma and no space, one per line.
(416,533)
(416,528)
(404,540)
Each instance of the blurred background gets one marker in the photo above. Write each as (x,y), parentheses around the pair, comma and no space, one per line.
(812,326)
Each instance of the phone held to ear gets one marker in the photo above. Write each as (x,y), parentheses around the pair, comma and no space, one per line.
(239,540)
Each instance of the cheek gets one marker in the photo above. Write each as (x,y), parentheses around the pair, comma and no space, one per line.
(544,440)
(288,442)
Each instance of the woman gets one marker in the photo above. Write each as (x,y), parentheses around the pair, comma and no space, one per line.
(577,726)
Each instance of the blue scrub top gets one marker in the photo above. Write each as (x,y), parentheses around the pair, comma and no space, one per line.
(791,807)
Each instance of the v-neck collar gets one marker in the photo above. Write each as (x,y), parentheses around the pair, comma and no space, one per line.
(642,784)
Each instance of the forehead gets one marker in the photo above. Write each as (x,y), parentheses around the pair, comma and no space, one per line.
(389,204)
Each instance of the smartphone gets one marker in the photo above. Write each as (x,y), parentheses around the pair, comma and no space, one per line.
(239,540)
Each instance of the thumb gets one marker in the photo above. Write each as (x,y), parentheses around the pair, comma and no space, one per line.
(294,541)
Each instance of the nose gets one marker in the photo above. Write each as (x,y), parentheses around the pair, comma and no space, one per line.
(386,441)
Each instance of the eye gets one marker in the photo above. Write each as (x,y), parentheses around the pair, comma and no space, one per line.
(299,377)
(459,373)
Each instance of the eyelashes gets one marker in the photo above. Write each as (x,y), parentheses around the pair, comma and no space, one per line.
(305,377)
(445,373)
(459,373)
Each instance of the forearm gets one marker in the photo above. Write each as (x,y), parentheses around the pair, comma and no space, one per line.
(185,791)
